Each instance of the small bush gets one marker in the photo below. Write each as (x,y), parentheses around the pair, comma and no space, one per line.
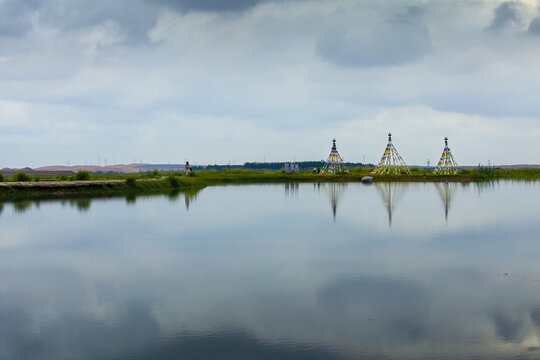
(82,175)
(131,181)
(156,174)
(63,178)
(1,178)
(175,183)
(20,176)
(191,173)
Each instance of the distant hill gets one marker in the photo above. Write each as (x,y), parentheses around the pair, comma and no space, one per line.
(120,168)
(36,172)
(518,166)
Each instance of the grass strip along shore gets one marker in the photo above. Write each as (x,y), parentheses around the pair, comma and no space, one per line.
(86,184)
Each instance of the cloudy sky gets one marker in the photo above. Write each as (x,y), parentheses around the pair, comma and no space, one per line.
(250,80)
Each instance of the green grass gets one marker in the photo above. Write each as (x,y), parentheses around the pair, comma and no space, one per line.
(239,176)
(157,182)
(523,174)
(126,187)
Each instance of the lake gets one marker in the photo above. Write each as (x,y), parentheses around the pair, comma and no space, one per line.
(288,271)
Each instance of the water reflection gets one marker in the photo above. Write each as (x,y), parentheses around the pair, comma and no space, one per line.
(291,190)
(82,204)
(137,335)
(484,186)
(131,198)
(446,192)
(236,344)
(173,195)
(509,325)
(189,196)
(335,192)
(391,193)
(234,279)
(22,206)
(393,307)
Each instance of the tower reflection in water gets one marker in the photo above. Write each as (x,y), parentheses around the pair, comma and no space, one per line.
(391,193)
(335,191)
(446,193)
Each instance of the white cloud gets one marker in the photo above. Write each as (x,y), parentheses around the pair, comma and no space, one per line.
(260,69)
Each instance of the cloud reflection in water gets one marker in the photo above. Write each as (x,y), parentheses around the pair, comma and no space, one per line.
(250,273)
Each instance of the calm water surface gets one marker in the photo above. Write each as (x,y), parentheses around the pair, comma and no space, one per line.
(329,271)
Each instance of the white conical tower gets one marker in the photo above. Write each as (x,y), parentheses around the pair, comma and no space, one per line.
(334,164)
(391,162)
(447,164)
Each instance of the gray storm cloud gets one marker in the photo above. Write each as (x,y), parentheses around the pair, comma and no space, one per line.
(378,41)
(534,26)
(506,14)
(135,17)
(14,17)
(212,5)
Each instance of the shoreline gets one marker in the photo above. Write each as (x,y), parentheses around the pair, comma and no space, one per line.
(51,188)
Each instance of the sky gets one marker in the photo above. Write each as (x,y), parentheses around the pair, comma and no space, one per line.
(210,81)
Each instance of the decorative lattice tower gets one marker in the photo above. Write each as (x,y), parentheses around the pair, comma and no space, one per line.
(447,164)
(391,162)
(334,164)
